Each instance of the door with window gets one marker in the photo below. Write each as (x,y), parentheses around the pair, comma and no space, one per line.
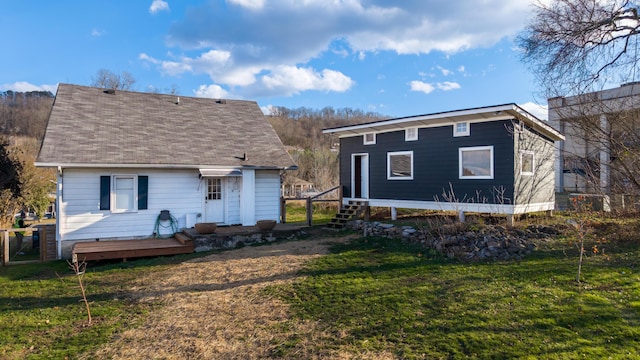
(214,201)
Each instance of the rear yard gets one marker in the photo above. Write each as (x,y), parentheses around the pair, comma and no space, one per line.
(334,296)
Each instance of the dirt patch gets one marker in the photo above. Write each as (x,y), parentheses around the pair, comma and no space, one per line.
(214,307)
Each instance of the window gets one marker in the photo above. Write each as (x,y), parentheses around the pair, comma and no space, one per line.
(461,129)
(400,165)
(411,134)
(527,166)
(476,162)
(123,193)
(369,139)
(214,188)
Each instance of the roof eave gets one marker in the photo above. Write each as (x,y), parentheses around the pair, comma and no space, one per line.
(159,166)
(490,113)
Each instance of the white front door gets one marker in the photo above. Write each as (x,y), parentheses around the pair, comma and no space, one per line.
(214,201)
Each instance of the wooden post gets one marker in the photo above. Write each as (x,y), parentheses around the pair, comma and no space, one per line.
(283,210)
(309,212)
(5,247)
(394,213)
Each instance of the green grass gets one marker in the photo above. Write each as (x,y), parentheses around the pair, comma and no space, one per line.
(42,314)
(374,295)
(379,294)
(297,213)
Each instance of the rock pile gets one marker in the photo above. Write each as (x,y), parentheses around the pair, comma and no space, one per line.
(488,242)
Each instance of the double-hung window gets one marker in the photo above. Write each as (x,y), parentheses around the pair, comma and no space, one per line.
(476,162)
(123,192)
(400,165)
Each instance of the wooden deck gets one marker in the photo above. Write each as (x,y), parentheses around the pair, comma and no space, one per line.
(127,249)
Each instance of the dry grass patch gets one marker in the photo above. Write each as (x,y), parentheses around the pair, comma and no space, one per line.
(215,307)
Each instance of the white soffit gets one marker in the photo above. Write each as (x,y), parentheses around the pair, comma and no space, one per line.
(219,172)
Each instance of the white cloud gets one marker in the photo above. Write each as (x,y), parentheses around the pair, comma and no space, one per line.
(267,110)
(97,33)
(537,110)
(212,91)
(421,87)
(157,6)
(448,85)
(249,4)
(445,72)
(23,86)
(289,80)
(242,43)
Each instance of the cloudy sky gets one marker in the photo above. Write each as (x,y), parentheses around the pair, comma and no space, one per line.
(397,58)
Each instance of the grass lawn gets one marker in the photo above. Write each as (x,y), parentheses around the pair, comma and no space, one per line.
(42,315)
(372,296)
(322,212)
(378,295)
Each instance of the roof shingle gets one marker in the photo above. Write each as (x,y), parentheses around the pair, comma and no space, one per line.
(92,127)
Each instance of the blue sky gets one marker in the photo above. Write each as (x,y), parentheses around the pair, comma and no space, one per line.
(397,58)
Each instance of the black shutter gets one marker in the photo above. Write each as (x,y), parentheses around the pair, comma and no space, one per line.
(143,190)
(105,192)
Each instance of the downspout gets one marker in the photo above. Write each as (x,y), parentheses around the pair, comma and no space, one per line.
(59,199)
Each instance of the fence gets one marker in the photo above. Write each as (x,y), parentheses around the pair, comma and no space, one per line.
(27,245)
(320,197)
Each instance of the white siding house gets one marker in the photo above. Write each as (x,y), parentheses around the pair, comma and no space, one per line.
(203,160)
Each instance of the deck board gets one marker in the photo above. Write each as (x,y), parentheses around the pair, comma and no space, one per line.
(124,249)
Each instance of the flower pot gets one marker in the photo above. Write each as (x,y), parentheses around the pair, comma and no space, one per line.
(266,225)
(205,228)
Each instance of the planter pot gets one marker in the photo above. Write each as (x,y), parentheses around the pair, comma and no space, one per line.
(205,228)
(266,225)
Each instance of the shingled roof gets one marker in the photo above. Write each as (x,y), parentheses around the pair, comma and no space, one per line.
(93,127)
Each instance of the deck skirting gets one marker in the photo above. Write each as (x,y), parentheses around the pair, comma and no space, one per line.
(126,249)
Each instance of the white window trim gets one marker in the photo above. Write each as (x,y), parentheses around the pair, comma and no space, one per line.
(411,138)
(114,203)
(533,162)
(389,155)
(364,139)
(457,133)
(475,148)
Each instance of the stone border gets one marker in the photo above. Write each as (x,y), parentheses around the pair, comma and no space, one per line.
(490,242)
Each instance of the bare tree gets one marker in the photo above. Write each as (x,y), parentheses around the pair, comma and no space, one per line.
(107,79)
(577,46)
(601,153)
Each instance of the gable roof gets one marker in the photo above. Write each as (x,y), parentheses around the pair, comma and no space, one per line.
(480,114)
(93,127)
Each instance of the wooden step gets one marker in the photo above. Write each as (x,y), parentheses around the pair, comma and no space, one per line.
(183,238)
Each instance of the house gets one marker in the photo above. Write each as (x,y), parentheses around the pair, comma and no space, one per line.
(495,159)
(294,187)
(123,157)
(601,132)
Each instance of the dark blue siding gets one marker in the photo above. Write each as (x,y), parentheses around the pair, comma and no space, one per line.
(435,157)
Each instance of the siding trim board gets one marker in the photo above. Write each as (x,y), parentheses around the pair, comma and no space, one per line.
(460,206)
